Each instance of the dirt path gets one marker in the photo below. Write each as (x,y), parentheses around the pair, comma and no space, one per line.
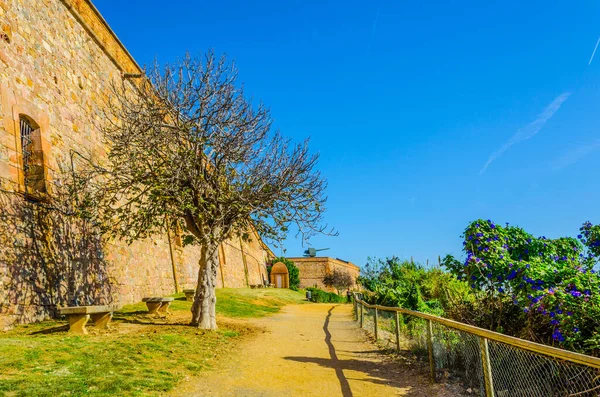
(310,350)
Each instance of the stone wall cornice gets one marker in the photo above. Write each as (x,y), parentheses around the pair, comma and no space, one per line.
(92,21)
(321,259)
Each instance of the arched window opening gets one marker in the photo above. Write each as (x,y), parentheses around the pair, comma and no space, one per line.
(33,158)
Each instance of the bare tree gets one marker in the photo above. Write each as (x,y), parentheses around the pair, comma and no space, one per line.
(186,145)
(338,279)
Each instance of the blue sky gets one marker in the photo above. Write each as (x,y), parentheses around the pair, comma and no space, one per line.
(407,102)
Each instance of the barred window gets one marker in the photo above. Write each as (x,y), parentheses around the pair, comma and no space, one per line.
(33,158)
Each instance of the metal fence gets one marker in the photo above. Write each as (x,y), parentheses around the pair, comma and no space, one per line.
(488,363)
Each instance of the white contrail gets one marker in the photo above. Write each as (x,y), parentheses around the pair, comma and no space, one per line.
(576,154)
(373,30)
(530,130)
(594,53)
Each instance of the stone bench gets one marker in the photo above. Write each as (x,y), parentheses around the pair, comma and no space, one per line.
(189,294)
(78,317)
(158,305)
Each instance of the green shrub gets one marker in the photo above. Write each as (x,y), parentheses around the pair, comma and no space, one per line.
(411,286)
(320,296)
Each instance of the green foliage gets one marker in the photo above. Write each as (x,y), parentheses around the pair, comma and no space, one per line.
(512,282)
(411,286)
(552,282)
(320,296)
(292,270)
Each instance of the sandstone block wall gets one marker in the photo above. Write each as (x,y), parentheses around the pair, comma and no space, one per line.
(56,59)
(313,270)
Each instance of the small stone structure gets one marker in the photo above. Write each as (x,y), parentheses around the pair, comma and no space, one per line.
(78,317)
(312,270)
(189,294)
(280,275)
(158,304)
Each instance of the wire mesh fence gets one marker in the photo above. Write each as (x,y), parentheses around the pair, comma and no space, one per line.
(483,362)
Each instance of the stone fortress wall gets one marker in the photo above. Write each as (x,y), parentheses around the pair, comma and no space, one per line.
(312,270)
(57,58)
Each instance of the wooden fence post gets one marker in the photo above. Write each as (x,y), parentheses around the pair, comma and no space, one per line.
(355,308)
(397,330)
(362,315)
(487,367)
(375,326)
(430,350)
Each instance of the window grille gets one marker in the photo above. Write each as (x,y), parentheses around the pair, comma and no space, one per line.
(33,159)
(26,145)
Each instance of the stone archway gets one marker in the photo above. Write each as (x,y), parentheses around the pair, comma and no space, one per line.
(280,276)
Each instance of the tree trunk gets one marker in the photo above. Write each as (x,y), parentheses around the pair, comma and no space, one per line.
(203,309)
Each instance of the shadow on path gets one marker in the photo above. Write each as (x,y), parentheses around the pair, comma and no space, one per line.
(383,372)
(339,372)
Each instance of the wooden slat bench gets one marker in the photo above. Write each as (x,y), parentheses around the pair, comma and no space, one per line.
(189,294)
(78,317)
(158,304)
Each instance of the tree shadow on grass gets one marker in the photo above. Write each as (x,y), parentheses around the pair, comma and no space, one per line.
(143,318)
(53,330)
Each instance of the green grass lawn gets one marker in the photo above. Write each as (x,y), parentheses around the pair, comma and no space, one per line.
(140,356)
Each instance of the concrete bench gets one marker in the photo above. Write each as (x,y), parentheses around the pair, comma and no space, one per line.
(78,317)
(158,305)
(189,294)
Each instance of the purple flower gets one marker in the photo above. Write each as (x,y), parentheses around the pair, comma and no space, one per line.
(558,336)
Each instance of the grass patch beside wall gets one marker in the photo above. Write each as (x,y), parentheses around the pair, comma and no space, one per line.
(245,303)
(140,356)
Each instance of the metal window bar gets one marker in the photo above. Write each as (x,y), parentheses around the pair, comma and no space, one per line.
(486,362)
(26,146)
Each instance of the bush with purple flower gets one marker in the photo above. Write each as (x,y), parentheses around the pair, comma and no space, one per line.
(557,290)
